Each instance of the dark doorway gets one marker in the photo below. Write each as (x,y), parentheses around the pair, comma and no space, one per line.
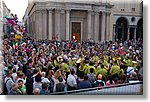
(121,28)
(76,31)
(139,33)
(131,36)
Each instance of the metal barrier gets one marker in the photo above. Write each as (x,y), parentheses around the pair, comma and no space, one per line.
(118,89)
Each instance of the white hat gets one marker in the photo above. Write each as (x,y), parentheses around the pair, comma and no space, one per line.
(134,62)
(121,44)
(79,60)
(130,47)
(74,58)
(59,59)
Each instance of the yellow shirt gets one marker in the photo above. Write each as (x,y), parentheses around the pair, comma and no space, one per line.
(105,63)
(56,64)
(85,68)
(115,70)
(65,67)
(102,71)
(88,69)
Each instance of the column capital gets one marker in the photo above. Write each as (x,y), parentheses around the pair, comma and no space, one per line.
(57,10)
(43,10)
(67,10)
(97,12)
(103,12)
(90,11)
(62,11)
(50,10)
(38,11)
(108,13)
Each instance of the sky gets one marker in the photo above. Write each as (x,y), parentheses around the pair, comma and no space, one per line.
(17,7)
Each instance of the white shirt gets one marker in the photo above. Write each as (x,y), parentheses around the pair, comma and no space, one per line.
(71,80)
(14,75)
(45,80)
(16,67)
(65,57)
(130,70)
(9,83)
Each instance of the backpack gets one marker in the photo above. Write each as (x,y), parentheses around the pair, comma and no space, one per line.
(29,85)
(5,91)
(99,83)
(92,78)
(60,87)
(51,85)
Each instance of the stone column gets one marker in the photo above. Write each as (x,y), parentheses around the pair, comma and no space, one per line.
(50,24)
(114,33)
(108,26)
(40,25)
(67,24)
(128,36)
(57,24)
(103,29)
(36,24)
(134,33)
(44,35)
(96,28)
(32,27)
(89,24)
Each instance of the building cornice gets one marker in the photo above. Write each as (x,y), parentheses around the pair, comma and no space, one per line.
(95,6)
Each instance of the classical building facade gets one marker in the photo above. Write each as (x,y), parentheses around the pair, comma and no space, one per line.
(98,20)
(68,20)
(3,12)
(127,19)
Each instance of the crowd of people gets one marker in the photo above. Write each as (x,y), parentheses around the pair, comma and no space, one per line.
(40,67)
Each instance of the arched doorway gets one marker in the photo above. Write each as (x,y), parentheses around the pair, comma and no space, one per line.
(121,28)
(139,33)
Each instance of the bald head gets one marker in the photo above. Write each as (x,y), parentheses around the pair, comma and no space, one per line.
(36,91)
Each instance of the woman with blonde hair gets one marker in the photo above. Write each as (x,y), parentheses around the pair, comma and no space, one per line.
(56,81)
(50,76)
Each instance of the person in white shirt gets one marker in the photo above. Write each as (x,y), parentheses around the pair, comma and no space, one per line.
(8,81)
(14,75)
(71,81)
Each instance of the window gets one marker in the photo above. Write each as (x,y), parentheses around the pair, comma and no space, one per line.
(133,9)
(122,9)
